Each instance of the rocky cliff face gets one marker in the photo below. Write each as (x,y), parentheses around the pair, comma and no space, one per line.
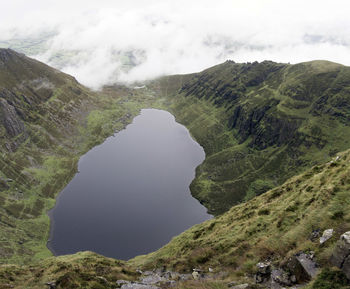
(26,86)
(13,125)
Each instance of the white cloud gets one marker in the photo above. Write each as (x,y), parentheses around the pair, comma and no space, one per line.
(180,36)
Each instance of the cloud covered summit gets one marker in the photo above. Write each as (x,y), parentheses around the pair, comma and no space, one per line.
(106,41)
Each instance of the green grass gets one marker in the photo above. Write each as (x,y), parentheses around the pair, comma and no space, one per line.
(85,270)
(52,166)
(274,225)
(62,123)
(260,122)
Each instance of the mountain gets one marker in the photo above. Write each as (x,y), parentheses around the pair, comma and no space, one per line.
(272,228)
(259,123)
(47,121)
(275,135)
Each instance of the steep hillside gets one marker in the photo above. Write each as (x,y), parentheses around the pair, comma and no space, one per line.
(47,121)
(274,226)
(259,123)
(270,228)
(82,270)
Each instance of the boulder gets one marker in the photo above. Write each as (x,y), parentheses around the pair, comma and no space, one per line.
(263,273)
(302,267)
(307,262)
(327,234)
(341,254)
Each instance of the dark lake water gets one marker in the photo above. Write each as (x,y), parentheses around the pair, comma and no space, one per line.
(132,193)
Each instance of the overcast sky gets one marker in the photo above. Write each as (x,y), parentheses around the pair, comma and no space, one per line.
(168,36)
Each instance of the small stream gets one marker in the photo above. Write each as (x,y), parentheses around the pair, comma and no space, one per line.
(131,195)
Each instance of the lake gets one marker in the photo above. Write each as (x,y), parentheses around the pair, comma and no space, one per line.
(131,195)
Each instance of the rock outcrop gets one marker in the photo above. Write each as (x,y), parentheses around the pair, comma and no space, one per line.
(298,269)
(154,280)
(341,255)
(3,184)
(13,124)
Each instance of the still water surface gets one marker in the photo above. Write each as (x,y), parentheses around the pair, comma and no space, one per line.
(132,193)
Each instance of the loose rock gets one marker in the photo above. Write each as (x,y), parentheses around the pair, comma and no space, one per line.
(327,234)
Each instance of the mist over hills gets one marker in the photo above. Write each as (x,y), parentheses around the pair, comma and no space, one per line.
(125,42)
(263,86)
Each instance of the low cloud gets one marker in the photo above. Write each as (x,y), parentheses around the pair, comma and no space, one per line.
(101,42)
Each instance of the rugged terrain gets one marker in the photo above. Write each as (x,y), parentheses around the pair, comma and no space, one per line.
(273,136)
(273,228)
(48,120)
(259,123)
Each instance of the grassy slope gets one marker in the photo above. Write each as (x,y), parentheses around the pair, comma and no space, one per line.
(62,120)
(259,123)
(272,226)
(82,270)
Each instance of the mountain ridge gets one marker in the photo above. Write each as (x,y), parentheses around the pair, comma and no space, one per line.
(266,127)
(47,121)
(265,122)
